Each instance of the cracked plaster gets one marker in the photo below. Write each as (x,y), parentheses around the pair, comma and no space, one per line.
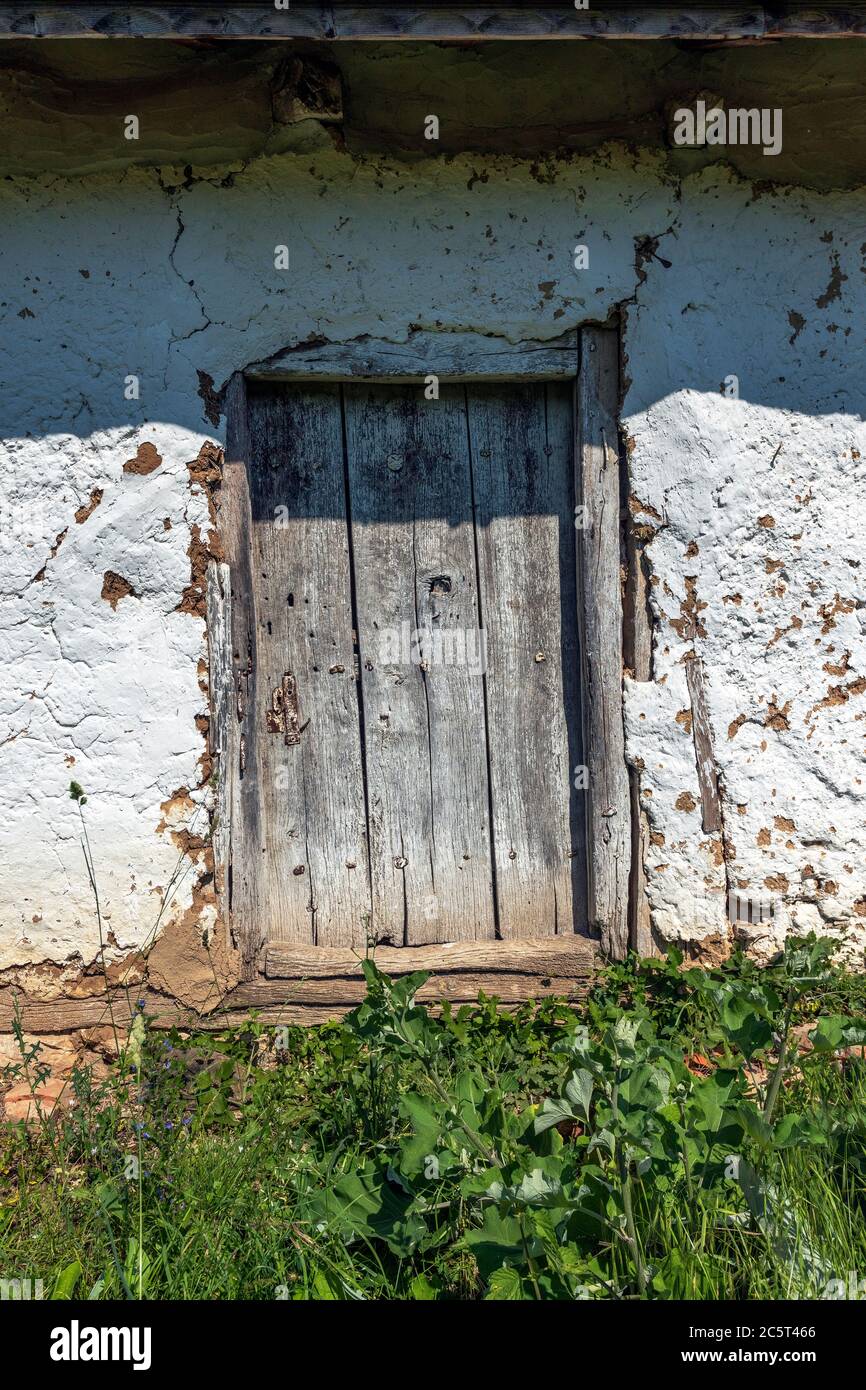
(180,286)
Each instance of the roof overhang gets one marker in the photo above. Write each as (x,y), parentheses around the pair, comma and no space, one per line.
(438,22)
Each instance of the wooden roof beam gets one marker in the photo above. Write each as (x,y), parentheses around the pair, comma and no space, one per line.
(436,22)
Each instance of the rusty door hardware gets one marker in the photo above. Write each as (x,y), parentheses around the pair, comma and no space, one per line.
(283,717)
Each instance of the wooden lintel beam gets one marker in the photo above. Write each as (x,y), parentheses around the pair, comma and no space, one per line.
(462,356)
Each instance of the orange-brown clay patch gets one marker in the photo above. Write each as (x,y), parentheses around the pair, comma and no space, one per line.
(188,967)
(829,611)
(689,625)
(115,587)
(777,882)
(777,716)
(205,471)
(146,460)
(88,508)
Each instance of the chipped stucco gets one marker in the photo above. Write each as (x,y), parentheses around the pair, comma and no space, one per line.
(752,506)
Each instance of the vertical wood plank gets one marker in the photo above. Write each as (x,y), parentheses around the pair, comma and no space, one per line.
(424,729)
(221,691)
(637,658)
(522,462)
(244,888)
(705,759)
(313,855)
(598,479)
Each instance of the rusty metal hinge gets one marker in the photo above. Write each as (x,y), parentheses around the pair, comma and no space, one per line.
(283,716)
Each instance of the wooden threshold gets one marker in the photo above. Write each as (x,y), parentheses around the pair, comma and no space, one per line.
(313,984)
(539,956)
(513,971)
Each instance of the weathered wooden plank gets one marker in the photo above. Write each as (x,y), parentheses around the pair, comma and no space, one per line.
(221,691)
(283,1001)
(462,988)
(414,566)
(568,955)
(468,356)
(598,486)
(536,22)
(313,873)
(322,983)
(705,760)
(637,657)
(822,21)
(247,918)
(699,21)
(41,1016)
(522,465)
(64,1016)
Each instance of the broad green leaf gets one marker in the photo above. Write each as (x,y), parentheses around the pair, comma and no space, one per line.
(793,1130)
(603,1139)
(470,1087)
(497,1243)
(754,1124)
(836,1031)
(645,1087)
(711,1095)
(364,1204)
(625,1032)
(539,1189)
(579,1091)
(505,1286)
(422,1290)
(428,1124)
(110,1199)
(552,1112)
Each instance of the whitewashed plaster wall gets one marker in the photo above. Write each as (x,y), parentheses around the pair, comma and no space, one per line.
(757,503)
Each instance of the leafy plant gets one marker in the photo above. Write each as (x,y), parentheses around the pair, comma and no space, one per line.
(681,1134)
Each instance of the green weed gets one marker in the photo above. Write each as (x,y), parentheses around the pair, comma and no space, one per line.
(680,1134)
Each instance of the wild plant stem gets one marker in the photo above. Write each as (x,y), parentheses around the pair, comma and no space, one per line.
(625,1186)
(91,874)
(479,1143)
(687,1166)
(781,1065)
(529,1260)
(140,1186)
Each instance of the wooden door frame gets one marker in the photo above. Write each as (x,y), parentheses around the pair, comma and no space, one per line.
(590,357)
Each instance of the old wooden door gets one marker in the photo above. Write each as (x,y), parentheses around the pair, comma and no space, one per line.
(408,637)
